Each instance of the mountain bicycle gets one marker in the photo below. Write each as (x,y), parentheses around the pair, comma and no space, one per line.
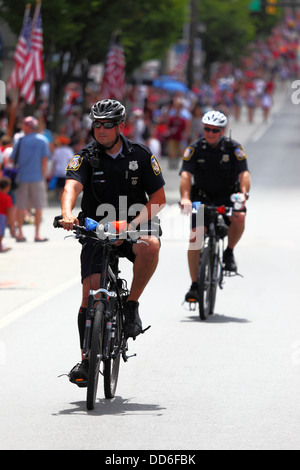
(105,341)
(211,268)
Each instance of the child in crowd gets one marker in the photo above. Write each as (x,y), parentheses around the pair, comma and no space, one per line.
(6,207)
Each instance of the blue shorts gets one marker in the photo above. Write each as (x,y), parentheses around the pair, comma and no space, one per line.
(3,220)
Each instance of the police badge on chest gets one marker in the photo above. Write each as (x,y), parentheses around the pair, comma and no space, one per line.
(133,166)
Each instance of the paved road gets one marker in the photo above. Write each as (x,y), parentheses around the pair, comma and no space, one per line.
(231,382)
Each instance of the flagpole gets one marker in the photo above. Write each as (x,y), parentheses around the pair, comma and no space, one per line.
(15,98)
(36,13)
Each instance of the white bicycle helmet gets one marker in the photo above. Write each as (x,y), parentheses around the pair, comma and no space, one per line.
(214,118)
(108,109)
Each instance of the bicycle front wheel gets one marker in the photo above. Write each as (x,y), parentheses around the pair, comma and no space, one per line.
(95,355)
(205,284)
(112,364)
(216,279)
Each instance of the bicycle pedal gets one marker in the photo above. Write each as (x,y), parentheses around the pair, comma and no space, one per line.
(81,383)
(232,273)
(125,357)
(145,329)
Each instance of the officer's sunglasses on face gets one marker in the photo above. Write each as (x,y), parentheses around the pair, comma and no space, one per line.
(214,131)
(106,125)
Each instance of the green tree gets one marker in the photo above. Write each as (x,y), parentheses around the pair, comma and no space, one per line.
(229,28)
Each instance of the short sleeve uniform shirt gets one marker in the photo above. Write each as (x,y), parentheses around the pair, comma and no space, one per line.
(120,183)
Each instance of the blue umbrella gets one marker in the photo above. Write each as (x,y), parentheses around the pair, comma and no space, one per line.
(170,84)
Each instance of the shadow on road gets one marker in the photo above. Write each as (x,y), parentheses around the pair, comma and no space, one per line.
(115,406)
(216,318)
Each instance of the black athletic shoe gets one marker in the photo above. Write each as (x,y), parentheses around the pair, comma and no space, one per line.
(79,374)
(229,261)
(192,295)
(133,323)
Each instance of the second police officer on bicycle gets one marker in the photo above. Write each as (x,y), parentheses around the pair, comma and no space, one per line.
(213,168)
(107,169)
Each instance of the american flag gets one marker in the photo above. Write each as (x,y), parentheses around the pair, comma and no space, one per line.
(34,67)
(114,80)
(37,46)
(21,53)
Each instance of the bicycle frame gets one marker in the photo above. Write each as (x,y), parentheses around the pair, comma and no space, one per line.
(211,269)
(108,297)
(216,243)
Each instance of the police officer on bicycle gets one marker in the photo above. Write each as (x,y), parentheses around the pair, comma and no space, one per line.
(106,171)
(214,167)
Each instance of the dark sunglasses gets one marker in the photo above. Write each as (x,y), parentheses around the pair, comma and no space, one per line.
(106,125)
(214,131)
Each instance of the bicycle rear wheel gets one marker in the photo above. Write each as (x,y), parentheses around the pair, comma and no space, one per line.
(95,355)
(112,364)
(205,284)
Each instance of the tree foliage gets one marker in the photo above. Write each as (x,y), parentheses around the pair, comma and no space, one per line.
(84,29)
(78,33)
(230,27)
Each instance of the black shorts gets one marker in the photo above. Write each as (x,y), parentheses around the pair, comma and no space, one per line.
(91,256)
(91,253)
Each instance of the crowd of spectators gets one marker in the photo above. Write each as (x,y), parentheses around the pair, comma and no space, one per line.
(166,121)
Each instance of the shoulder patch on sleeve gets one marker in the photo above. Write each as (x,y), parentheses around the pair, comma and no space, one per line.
(240,153)
(155,165)
(75,163)
(188,153)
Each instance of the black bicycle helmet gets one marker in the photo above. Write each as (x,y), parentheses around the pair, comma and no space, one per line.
(108,109)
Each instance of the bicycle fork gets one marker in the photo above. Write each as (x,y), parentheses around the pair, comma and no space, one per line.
(92,301)
(217,264)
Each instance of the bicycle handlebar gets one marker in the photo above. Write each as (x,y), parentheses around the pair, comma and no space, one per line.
(98,230)
(223,210)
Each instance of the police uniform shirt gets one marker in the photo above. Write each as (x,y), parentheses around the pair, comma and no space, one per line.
(215,170)
(134,173)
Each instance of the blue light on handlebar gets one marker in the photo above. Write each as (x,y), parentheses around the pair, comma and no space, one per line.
(90,224)
(196,205)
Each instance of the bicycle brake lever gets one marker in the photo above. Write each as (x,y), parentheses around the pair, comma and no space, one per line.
(70,236)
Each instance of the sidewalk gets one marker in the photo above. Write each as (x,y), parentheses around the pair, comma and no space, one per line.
(32,272)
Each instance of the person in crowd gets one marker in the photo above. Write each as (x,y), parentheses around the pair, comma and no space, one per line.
(9,171)
(31,154)
(62,154)
(176,136)
(153,142)
(6,206)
